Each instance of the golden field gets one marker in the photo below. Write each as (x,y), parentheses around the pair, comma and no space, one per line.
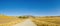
(47,21)
(9,21)
(39,21)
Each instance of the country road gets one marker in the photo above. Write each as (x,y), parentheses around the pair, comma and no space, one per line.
(27,22)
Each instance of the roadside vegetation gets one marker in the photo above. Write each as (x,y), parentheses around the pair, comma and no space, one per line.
(38,20)
(44,21)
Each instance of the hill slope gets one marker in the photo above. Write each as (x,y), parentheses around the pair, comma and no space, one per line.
(7,20)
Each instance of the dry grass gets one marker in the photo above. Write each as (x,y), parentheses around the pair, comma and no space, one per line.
(52,20)
(47,21)
(8,21)
(41,21)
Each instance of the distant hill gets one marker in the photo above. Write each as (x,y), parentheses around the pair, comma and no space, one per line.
(2,15)
(8,20)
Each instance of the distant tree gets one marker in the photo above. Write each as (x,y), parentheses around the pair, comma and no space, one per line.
(20,17)
(24,17)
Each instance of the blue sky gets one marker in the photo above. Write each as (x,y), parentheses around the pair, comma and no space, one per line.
(30,7)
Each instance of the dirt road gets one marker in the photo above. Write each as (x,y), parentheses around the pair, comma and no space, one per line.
(27,22)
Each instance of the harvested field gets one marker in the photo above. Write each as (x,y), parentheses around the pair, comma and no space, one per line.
(9,21)
(43,21)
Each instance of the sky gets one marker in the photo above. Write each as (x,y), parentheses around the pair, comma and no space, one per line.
(30,7)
